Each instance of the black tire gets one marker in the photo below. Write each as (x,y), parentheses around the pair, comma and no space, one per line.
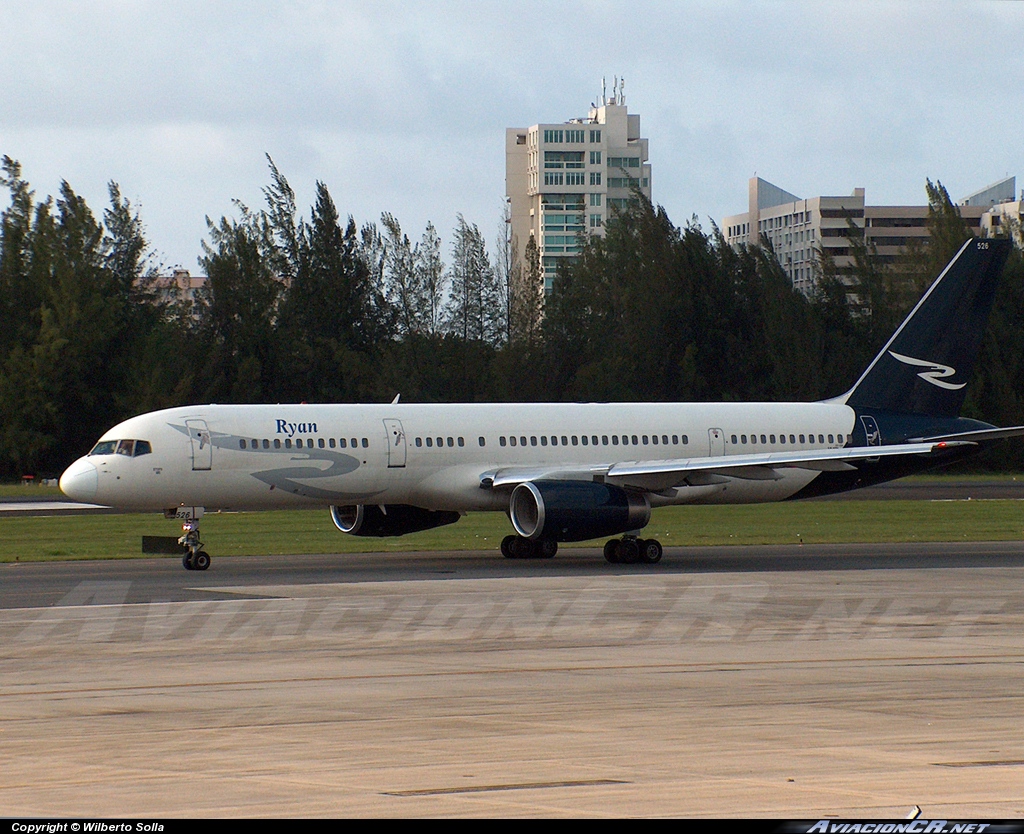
(186,561)
(650,551)
(523,548)
(202,560)
(629,551)
(611,551)
(507,544)
(548,548)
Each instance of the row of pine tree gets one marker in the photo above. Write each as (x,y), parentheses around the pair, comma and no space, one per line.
(320,309)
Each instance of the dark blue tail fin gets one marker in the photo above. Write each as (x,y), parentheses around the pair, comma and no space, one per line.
(926,365)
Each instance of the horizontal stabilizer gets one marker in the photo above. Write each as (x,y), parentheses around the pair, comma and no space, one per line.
(975,436)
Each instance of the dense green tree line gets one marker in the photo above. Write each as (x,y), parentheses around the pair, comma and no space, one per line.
(319,309)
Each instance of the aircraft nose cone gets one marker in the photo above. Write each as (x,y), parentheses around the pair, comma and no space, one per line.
(80,481)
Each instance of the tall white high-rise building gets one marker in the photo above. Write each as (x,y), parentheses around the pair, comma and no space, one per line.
(563,181)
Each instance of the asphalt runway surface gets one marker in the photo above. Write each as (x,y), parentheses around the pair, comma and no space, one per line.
(792,682)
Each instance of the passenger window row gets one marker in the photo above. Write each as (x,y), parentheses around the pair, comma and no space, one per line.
(308,443)
(141,447)
(440,442)
(593,440)
(769,439)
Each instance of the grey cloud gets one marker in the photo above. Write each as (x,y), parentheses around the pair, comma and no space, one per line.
(402,106)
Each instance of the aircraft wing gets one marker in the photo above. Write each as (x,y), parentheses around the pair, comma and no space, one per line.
(658,475)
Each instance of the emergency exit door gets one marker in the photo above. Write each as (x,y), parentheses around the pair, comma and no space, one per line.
(396,443)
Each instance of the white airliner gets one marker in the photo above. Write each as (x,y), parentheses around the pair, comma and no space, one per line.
(562,472)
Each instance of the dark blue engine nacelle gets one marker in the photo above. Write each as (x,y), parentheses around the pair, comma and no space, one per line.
(389,520)
(573,511)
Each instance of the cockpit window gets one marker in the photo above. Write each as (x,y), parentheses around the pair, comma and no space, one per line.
(128,448)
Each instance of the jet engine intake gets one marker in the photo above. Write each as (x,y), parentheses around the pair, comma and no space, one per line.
(389,520)
(573,511)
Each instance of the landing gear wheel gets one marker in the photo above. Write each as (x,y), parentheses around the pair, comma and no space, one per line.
(611,551)
(629,551)
(650,551)
(520,547)
(195,558)
(523,548)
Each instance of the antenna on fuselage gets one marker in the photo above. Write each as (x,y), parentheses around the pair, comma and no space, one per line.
(395,400)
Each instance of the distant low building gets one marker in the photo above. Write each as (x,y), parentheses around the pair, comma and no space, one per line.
(799,228)
(179,287)
(1004,214)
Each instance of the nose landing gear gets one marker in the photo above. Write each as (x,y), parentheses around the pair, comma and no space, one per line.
(196,558)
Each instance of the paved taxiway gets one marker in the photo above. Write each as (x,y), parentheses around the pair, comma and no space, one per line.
(788,682)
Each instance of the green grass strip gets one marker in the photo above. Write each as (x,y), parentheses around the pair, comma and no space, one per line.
(311,531)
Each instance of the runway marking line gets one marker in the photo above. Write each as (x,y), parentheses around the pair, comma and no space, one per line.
(516,786)
(992,763)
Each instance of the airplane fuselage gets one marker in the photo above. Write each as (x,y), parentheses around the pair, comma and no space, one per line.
(433,456)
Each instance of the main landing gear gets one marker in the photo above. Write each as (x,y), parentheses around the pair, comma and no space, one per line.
(196,558)
(630,550)
(519,547)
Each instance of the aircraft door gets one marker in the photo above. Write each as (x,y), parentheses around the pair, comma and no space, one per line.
(202,448)
(872,436)
(716,442)
(396,443)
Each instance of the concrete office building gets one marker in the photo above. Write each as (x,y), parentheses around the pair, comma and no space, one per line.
(563,180)
(798,228)
(1003,214)
(180,287)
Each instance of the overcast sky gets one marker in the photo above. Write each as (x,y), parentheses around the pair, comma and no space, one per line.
(402,107)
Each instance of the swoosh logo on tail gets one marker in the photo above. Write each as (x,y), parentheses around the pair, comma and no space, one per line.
(935,374)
